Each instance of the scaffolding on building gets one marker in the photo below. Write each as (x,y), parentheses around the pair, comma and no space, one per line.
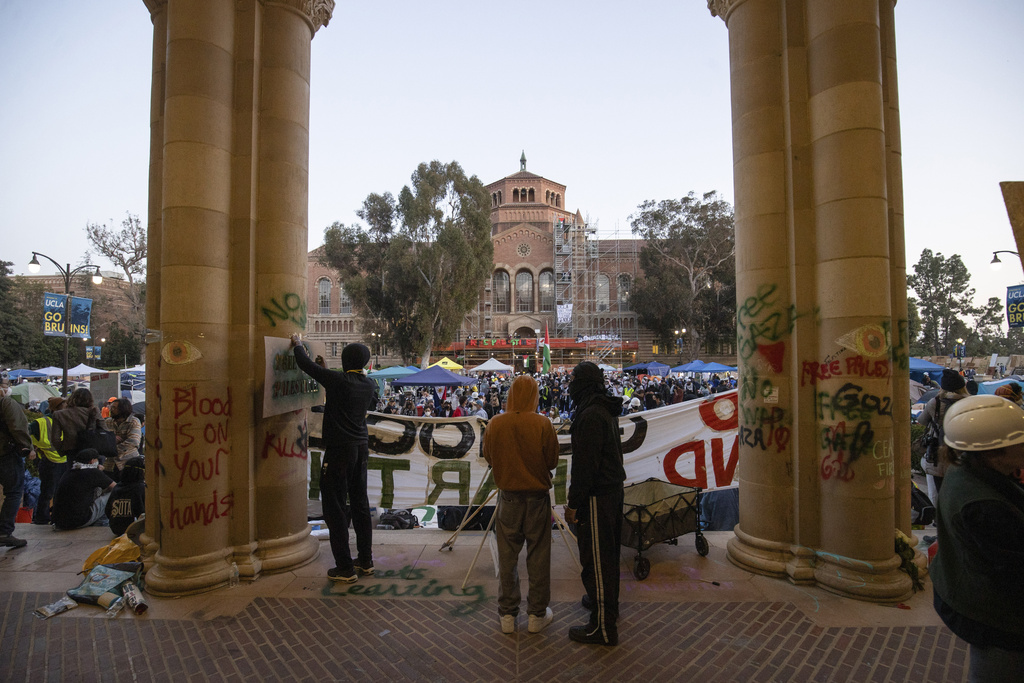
(586,269)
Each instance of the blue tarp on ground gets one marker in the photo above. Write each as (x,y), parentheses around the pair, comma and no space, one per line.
(922,365)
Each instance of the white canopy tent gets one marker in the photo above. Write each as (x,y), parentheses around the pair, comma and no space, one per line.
(51,371)
(492,365)
(82,369)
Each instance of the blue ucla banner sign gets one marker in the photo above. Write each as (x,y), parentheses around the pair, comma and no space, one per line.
(55,317)
(1015,306)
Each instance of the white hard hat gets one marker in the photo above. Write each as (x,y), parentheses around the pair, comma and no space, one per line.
(634,403)
(983,423)
(474,395)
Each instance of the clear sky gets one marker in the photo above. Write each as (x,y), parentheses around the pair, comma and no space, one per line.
(619,101)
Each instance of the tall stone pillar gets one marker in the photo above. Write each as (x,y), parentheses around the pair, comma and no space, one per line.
(821,294)
(209,229)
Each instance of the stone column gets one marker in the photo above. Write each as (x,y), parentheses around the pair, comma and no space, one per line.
(819,255)
(206,357)
(280,266)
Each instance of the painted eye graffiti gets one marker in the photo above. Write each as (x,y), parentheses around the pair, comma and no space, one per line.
(180,353)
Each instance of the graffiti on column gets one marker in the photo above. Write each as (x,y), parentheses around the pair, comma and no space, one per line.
(762,326)
(289,306)
(294,445)
(201,453)
(849,413)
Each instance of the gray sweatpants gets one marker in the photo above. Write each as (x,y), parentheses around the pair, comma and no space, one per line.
(524,516)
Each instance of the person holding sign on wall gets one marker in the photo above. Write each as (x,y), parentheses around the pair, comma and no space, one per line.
(350,394)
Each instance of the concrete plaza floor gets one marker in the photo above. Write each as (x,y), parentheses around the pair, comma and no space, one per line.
(414,621)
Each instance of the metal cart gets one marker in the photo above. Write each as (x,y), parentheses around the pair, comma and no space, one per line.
(656,511)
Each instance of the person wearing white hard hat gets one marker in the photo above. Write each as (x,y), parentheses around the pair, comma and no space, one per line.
(978,570)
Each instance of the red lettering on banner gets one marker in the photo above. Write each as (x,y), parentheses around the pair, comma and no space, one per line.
(724,471)
(720,414)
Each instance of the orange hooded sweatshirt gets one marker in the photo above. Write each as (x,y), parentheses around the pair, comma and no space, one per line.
(520,444)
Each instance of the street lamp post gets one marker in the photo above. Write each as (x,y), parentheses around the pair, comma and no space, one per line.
(995,263)
(67,273)
(959,350)
(376,350)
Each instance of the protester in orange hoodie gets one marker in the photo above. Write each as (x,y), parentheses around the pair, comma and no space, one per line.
(521,447)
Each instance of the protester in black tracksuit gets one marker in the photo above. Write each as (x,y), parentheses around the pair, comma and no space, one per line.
(350,394)
(595,500)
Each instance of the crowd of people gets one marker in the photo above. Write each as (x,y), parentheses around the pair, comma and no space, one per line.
(50,460)
(489,395)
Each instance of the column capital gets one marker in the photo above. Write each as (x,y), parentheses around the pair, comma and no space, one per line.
(317,11)
(722,8)
(155,6)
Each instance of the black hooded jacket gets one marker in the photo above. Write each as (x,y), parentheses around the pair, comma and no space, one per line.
(596,449)
(349,396)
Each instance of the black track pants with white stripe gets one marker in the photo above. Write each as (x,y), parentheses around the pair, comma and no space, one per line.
(600,537)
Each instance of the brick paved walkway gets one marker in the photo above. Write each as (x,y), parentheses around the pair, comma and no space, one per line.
(343,638)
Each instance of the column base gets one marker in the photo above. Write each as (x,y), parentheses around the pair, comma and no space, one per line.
(870,581)
(171,576)
(289,552)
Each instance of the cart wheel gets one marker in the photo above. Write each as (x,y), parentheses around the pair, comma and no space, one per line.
(641,568)
(702,546)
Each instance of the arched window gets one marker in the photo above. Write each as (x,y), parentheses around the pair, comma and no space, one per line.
(601,285)
(494,199)
(501,294)
(324,290)
(499,197)
(515,195)
(547,292)
(531,194)
(524,292)
(344,302)
(622,285)
(558,200)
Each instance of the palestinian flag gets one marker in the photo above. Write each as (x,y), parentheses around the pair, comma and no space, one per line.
(546,367)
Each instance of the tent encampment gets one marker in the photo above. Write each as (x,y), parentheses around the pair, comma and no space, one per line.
(22,373)
(434,376)
(446,363)
(81,370)
(492,365)
(27,392)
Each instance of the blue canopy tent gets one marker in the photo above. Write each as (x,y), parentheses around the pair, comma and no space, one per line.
(636,368)
(692,366)
(391,373)
(716,367)
(23,374)
(381,376)
(656,368)
(435,376)
(919,366)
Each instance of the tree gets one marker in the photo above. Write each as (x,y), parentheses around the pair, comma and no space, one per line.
(944,297)
(914,329)
(689,265)
(126,248)
(15,326)
(417,267)
(121,347)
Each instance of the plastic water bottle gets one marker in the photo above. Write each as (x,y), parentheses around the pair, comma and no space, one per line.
(233,576)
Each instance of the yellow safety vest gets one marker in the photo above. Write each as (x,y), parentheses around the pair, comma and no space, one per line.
(42,443)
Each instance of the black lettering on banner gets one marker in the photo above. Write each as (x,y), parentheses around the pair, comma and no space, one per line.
(432,448)
(404,443)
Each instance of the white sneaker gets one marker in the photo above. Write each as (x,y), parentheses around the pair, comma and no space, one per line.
(508,623)
(537,624)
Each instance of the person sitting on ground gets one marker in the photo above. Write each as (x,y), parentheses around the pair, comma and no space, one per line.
(82,493)
(409,408)
(78,414)
(127,501)
(128,434)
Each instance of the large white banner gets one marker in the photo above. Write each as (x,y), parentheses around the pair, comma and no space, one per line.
(438,461)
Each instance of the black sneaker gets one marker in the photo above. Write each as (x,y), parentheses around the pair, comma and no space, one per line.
(342,575)
(12,542)
(591,635)
(363,567)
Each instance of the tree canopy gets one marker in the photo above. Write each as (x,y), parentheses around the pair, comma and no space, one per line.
(415,269)
(689,266)
(126,248)
(944,298)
